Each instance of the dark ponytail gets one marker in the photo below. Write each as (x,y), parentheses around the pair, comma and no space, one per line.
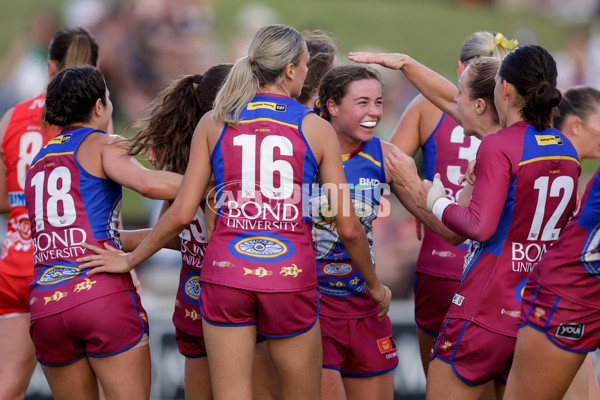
(532,71)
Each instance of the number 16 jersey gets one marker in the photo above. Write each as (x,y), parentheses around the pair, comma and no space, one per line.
(262,172)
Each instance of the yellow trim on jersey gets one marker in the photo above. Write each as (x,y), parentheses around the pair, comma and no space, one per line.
(549,158)
(346,157)
(249,121)
(368,157)
(51,154)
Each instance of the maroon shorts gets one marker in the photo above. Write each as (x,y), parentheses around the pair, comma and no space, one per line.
(276,315)
(358,347)
(189,345)
(101,327)
(433,296)
(14,294)
(476,354)
(570,326)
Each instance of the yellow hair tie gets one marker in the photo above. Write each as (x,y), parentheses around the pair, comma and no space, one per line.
(500,40)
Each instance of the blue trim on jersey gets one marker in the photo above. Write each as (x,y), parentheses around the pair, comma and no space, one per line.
(495,244)
(429,150)
(557,145)
(589,220)
(216,158)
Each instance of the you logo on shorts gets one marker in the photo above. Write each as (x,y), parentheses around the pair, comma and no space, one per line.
(570,331)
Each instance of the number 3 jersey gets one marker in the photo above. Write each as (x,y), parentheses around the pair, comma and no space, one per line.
(262,172)
(342,286)
(525,191)
(448,152)
(23,138)
(68,206)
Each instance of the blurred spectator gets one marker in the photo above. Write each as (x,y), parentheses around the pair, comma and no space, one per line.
(23,72)
(147,43)
(249,19)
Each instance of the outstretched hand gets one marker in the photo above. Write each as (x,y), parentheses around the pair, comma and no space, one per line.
(388,60)
(109,260)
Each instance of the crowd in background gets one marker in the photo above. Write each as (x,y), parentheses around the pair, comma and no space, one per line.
(148,43)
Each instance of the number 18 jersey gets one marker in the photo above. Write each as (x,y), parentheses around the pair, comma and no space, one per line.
(262,171)
(68,206)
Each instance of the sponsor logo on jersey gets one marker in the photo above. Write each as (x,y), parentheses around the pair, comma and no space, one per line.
(458,299)
(191,287)
(545,140)
(16,199)
(261,247)
(337,269)
(368,182)
(386,344)
(57,274)
(266,104)
(570,331)
(60,139)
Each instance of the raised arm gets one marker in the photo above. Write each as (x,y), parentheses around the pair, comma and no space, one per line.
(417,123)
(437,89)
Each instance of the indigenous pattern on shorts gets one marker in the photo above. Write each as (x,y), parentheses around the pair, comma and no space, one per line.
(68,206)
(448,152)
(187,304)
(342,286)
(23,138)
(262,172)
(526,187)
(571,267)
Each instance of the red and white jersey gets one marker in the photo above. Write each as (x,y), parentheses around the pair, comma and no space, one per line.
(263,171)
(448,152)
(525,191)
(24,137)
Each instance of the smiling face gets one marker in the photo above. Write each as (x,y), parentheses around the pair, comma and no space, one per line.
(358,113)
